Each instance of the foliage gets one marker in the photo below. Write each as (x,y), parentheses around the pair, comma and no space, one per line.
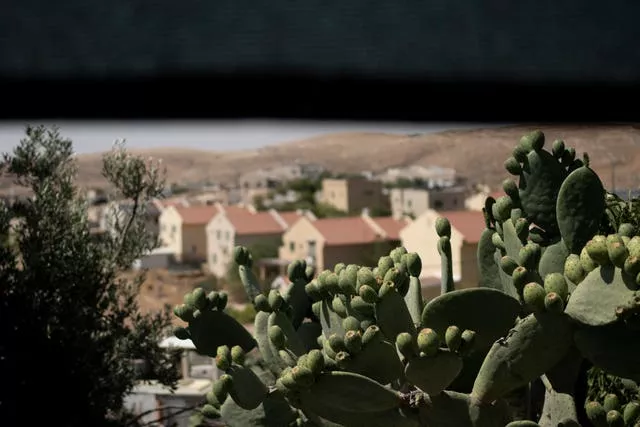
(68,320)
(357,345)
(244,316)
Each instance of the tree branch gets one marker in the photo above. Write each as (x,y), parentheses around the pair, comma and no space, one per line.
(127,227)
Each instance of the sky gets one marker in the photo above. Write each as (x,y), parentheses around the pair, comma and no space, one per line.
(91,137)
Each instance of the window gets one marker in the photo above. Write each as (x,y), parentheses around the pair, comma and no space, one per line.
(226,235)
(312,248)
(214,258)
(218,234)
(409,204)
(292,246)
(455,202)
(437,204)
(173,229)
(194,249)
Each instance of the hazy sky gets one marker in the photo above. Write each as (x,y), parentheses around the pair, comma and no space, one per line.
(91,137)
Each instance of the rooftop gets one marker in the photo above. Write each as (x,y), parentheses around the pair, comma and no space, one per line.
(355,230)
(469,223)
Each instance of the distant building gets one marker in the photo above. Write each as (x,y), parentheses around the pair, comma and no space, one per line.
(433,176)
(416,201)
(352,240)
(354,194)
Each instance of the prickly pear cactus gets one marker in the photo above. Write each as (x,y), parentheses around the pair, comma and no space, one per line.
(358,346)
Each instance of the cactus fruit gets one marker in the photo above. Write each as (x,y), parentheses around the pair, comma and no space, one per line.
(356,345)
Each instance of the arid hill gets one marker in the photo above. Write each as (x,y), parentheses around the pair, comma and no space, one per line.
(478,154)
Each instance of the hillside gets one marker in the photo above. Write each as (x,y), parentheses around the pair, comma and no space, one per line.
(478,154)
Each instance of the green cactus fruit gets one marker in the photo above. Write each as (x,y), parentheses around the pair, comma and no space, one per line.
(365,277)
(508,264)
(413,263)
(277,337)
(396,254)
(350,323)
(627,229)
(520,152)
(296,270)
(406,345)
(315,361)
(615,419)
(468,339)
(331,283)
(557,149)
(443,227)
(372,333)
(580,207)
(597,250)
(502,208)
(199,298)
(312,290)
(222,386)
(368,294)
(362,307)
(303,376)
(516,213)
(533,140)
(611,402)
(212,399)
(184,312)
(588,265)
(634,246)
(536,344)
(350,392)
(339,267)
(530,255)
(533,296)
(631,413)
(596,414)
(241,255)
(510,188)
(453,338)
(573,269)
(618,253)
(338,305)
(238,355)
(223,298)
(275,300)
(353,341)
(553,303)
(336,342)
(348,280)
(209,411)
(556,283)
(632,266)
(569,156)
(181,333)
(384,264)
(513,166)
(309,273)
(428,342)
(522,228)
(497,241)
(521,276)
(262,303)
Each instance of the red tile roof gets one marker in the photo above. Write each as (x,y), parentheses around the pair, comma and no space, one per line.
(345,231)
(391,226)
(469,223)
(290,217)
(246,222)
(196,215)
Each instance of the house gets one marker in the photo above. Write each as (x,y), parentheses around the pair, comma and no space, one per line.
(415,201)
(259,182)
(236,226)
(353,194)
(182,229)
(431,176)
(116,212)
(420,236)
(353,240)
